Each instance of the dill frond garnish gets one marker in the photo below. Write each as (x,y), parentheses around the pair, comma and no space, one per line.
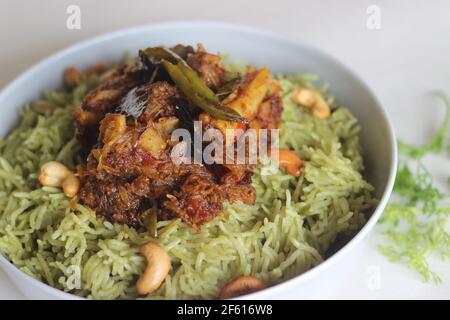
(437,143)
(416,224)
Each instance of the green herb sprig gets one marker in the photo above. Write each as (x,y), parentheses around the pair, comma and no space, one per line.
(416,226)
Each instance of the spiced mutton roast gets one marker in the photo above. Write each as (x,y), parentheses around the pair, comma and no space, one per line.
(127,122)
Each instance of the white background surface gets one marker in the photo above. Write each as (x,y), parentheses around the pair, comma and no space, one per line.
(403,62)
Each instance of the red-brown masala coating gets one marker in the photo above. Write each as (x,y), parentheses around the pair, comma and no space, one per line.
(129,169)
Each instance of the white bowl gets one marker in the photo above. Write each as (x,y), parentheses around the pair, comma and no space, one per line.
(256,47)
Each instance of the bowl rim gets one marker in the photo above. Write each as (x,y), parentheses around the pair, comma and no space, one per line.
(10,268)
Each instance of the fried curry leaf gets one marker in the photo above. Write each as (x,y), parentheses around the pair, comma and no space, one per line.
(228,87)
(194,91)
(156,54)
(189,82)
(197,84)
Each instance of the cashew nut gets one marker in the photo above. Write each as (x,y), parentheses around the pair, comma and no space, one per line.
(53,173)
(312,100)
(72,77)
(240,286)
(304,97)
(288,160)
(158,266)
(71,185)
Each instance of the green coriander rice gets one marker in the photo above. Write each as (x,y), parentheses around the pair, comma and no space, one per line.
(286,232)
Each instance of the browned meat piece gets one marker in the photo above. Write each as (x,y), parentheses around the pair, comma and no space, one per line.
(269,111)
(123,175)
(240,187)
(116,199)
(104,99)
(122,179)
(239,192)
(197,201)
(160,95)
(257,97)
(183,51)
(208,67)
